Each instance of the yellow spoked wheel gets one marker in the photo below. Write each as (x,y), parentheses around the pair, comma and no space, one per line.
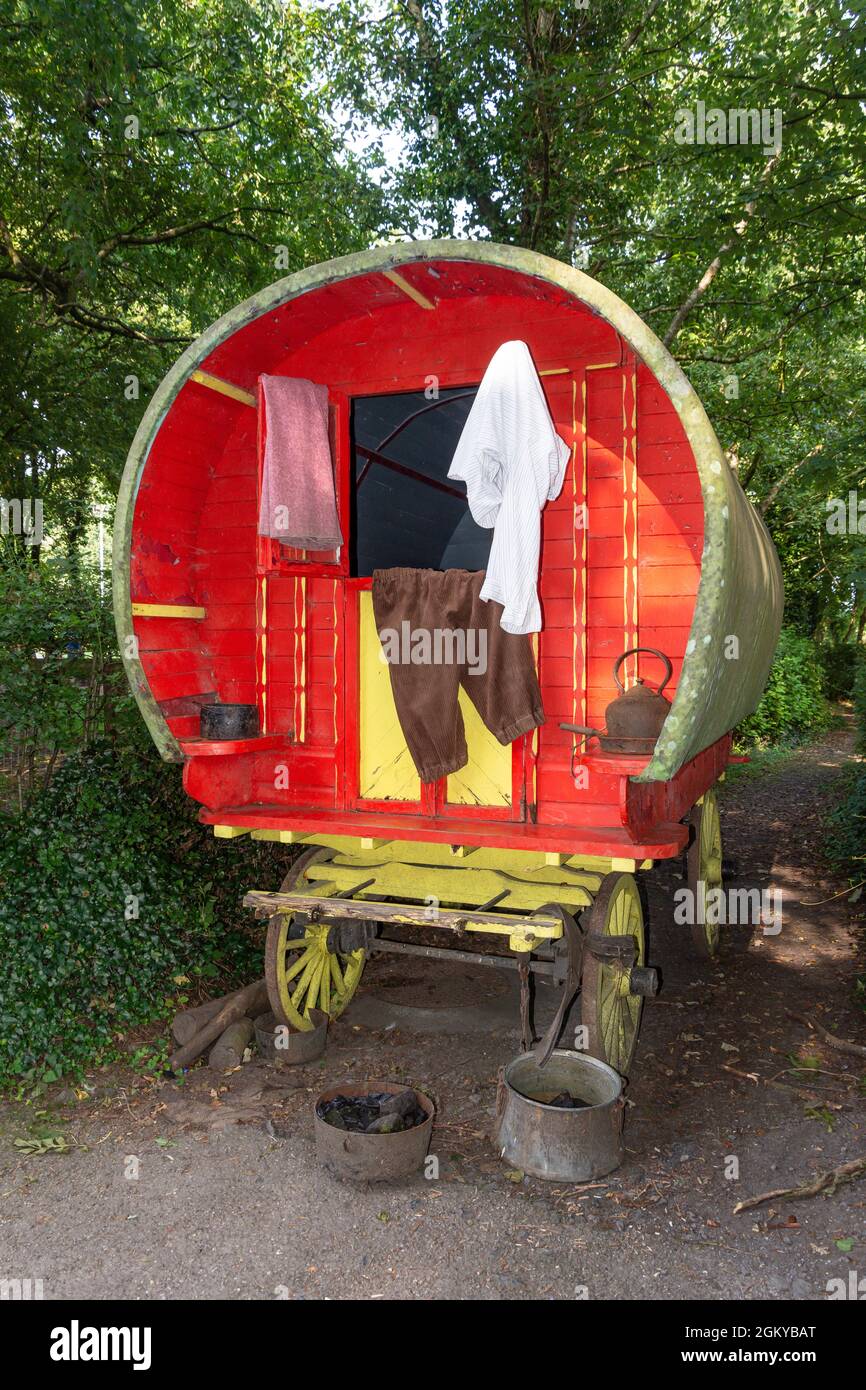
(303,972)
(609,1010)
(705,873)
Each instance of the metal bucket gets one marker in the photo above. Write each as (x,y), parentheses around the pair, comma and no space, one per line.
(283,1047)
(553,1143)
(371,1157)
(228,721)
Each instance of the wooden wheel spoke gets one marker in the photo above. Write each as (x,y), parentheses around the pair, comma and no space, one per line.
(705,867)
(298,964)
(315,984)
(337,974)
(306,976)
(325,988)
(302,974)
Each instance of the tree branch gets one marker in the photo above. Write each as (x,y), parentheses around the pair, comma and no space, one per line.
(712,269)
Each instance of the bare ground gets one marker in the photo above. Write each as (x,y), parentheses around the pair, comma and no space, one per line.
(229,1202)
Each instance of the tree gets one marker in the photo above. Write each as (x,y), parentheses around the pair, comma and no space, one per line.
(562,128)
(158,163)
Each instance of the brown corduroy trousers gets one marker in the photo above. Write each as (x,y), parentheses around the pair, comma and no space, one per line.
(437,635)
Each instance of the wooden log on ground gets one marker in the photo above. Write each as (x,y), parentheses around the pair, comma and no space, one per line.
(234,1008)
(187,1023)
(228,1050)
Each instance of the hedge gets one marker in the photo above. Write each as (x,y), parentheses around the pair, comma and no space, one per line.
(114,903)
(793,704)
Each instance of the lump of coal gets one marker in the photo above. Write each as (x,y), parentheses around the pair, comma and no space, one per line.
(566,1101)
(390,1123)
(377,1113)
(403,1103)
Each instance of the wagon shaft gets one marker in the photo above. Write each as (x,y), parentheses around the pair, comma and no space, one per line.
(523,935)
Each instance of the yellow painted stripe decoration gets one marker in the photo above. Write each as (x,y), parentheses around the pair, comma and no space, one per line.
(629,526)
(336,678)
(576,519)
(403,284)
(584,562)
(225,388)
(263,653)
(167,610)
(300,658)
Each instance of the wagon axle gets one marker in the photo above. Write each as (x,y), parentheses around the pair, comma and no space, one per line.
(319,940)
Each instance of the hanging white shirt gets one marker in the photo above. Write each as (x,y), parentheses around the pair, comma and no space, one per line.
(512,462)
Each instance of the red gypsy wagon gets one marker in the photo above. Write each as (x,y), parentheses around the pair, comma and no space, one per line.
(651,544)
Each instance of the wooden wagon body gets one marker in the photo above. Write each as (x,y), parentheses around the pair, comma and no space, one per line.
(651,543)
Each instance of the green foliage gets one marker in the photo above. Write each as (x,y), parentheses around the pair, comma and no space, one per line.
(60,680)
(158,163)
(553,127)
(113,838)
(846,841)
(840,662)
(793,704)
(859,692)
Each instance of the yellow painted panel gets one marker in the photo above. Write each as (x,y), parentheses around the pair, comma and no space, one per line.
(387,771)
(452,886)
(486,778)
(168,610)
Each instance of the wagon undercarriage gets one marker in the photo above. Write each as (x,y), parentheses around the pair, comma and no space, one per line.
(580,927)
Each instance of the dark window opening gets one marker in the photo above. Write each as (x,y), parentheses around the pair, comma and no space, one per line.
(406,511)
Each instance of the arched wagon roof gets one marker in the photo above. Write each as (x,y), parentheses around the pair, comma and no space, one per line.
(740,591)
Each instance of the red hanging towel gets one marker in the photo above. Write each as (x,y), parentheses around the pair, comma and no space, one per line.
(298,503)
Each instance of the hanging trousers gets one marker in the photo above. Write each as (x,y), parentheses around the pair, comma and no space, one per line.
(438,635)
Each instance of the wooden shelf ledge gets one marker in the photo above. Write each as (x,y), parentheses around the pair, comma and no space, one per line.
(227,747)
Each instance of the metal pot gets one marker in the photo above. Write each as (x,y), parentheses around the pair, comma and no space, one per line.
(371,1157)
(555,1144)
(635,717)
(228,722)
(283,1047)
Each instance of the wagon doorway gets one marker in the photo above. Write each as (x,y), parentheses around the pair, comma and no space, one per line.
(406,512)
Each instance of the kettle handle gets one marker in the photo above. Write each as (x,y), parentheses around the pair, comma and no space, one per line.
(632,651)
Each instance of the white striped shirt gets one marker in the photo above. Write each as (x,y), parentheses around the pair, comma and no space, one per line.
(512,462)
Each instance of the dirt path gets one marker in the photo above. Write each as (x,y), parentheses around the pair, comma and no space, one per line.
(228,1201)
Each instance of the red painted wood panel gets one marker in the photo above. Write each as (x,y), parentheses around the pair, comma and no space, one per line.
(361,337)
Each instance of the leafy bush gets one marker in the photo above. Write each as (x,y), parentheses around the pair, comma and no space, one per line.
(846,841)
(859,693)
(60,679)
(794,703)
(840,662)
(113,901)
